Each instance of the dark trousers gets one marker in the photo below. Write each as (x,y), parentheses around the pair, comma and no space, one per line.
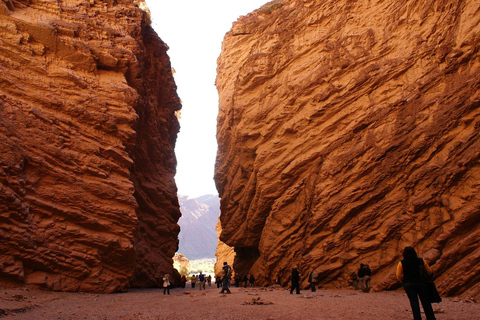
(312,286)
(415,291)
(295,286)
(225,285)
(166,289)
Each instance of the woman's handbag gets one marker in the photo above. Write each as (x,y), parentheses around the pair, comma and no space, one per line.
(427,278)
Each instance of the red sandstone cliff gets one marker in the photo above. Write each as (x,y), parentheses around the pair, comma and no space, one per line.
(348,130)
(87,131)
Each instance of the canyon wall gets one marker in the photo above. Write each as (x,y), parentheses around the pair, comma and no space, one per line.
(348,130)
(87,132)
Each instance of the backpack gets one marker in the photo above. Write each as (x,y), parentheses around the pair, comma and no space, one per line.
(228,272)
(425,276)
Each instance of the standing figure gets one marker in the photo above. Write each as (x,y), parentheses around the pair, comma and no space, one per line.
(218,281)
(311,280)
(295,280)
(277,280)
(183,280)
(361,274)
(367,275)
(193,280)
(201,280)
(227,273)
(245,280)
(209,280)
(237,280)
(251,280)
(354,278)
(408,272)
(166,283)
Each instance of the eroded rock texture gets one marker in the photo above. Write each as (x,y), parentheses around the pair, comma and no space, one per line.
(87,131)
(347,131)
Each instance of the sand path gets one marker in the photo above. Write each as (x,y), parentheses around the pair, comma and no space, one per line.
(187,304)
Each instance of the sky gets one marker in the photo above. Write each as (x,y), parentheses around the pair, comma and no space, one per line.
(194,31)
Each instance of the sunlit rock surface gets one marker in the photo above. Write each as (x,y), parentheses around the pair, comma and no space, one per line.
(87,131)
(224,253)
(347,131)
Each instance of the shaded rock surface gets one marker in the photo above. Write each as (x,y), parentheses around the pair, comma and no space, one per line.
(348,130)
(87,131)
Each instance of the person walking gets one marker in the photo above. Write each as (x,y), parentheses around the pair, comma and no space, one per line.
(227,273)
(166,284)
(209,280)
(295,280)
(408,272)
(201,281)
(311,280)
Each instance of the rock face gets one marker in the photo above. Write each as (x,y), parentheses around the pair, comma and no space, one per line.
(87,131)
(348,130)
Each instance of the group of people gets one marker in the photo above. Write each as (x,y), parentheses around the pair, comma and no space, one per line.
(362,277)
(414,273)
(411,271)
(201,279)
(247,280)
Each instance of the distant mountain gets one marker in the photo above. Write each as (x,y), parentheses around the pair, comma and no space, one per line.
(198,238)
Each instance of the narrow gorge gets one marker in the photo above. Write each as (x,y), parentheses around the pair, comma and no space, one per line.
(348,130)
(87,133)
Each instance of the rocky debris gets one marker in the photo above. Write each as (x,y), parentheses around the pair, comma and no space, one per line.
(348,130)
(257,301)
(87,131)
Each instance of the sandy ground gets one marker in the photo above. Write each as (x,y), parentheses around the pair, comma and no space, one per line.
(210,304)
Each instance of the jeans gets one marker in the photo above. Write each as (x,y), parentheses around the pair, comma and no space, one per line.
(295,286)
(419,290)
(225,283)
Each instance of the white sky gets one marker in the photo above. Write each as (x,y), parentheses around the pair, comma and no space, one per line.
(194,31)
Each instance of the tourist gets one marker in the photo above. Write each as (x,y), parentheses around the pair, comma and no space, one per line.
(361,274)
(354,279)
(408,272)
(183,280)
(311,280)
(193,280)
(367,274)
(251,280)
(237,280)
(166,284)
(227,274)
(209,280)
(201,281)
(245,280)
(218,280)
(277,280)
(295,280)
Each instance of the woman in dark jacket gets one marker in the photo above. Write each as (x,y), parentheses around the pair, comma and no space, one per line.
(408,272)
